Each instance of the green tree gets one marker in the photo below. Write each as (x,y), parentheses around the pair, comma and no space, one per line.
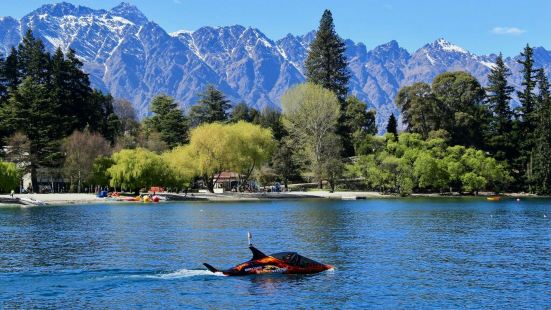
(419,108)
(30,111)
(168,120)
(499,134)
(430,172)
(32,59)
(473,182)
(285,161)
(9,75)
(392,126)
(359,122)
(271,118)
(242,112)
(541,178)
(216,147)
(460,108)
(9,177)
(528,117)
(99,175)
(326,63)
(81,149)
(212,107)
(526,96)
(137,169)
(311,114)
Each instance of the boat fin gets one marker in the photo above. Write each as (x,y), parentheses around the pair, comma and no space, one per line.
(257,254)
(210,268)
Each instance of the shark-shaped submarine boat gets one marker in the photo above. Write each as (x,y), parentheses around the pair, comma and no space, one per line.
(283,262)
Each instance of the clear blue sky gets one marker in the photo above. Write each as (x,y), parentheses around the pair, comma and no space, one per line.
(481,26)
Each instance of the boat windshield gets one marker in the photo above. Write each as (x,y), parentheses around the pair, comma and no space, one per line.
(295,259)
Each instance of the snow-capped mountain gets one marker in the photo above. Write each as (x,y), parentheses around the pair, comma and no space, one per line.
(134,58)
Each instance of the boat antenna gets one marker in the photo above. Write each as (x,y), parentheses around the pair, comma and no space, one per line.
(250,238)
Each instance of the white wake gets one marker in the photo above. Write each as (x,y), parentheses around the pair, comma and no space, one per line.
(184,273)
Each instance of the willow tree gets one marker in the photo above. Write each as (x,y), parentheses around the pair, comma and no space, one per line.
(250,146)
(138,168)
(311,114)
(9,177)
(181,165)
(217,147)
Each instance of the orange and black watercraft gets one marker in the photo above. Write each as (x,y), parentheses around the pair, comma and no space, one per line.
(283,262)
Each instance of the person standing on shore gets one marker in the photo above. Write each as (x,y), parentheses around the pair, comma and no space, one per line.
(11,194)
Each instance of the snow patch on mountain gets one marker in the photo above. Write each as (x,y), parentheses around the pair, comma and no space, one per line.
(449,47)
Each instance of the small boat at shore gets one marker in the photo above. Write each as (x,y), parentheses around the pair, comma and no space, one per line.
(22,201)
(493,198)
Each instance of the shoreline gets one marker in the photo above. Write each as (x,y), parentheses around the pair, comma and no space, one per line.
(74,198)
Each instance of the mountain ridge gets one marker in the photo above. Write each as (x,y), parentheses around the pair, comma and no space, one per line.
(135,59)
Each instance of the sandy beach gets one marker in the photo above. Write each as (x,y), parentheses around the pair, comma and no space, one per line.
(74,198)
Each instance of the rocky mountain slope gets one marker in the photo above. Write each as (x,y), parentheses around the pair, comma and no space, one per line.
(134,58)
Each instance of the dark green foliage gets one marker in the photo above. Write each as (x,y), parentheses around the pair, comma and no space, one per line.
(499,136)
(359,123)
(271,118)
(419,108)
(460,96)
(527,120)
(169,121)
(541,178)
(212,107)
(526,96)
(9,77)
(242,112)
(102,117)
(392,126)
(31,111)
(32,59)
(285,161)
(452,103)
(326,64)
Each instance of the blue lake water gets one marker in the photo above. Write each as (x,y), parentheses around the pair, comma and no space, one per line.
(411,253)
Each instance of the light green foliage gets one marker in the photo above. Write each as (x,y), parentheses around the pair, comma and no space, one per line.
(216,147)
(310,114)
(413,163)
(181,165)
(430,171)
(473,182)
(9,177)
(99,175)
(138,168)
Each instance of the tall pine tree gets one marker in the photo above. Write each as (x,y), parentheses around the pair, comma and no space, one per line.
(392,126)
(541,177)
(498,97)
(326,65)
(32,59)
(212,107)
(31,111)
(169,121)
(527,118)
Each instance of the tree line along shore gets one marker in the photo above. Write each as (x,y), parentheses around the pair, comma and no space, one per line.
(458,136)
